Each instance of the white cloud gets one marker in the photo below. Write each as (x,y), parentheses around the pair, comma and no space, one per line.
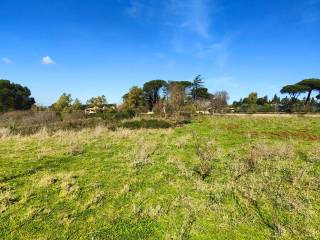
(47,60)
(7,60)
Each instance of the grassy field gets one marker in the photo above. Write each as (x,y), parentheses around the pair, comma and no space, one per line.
(216,178)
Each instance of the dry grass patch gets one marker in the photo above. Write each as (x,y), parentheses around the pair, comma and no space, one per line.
(181,166)
(4,132)
(8,197)
(68,184)
(142,153)
(95,200)
(48,180)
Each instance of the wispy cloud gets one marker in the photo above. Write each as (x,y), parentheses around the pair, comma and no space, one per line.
(47,60)
(192,15)
(186,27)
(6,60)
(134,9)
(217,51)
(140,9)
(223,82)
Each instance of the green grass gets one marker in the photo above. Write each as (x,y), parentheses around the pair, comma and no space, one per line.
(261,182)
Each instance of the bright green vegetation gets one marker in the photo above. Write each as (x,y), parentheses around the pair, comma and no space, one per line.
(216,178)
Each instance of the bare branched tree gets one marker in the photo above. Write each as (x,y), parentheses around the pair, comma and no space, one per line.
(219,101)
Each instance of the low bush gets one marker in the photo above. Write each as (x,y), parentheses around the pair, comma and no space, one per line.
(28,117)
(116,116)
(146,123)
(26,129)
(76,115)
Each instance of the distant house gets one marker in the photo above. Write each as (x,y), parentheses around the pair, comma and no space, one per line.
(94,110)
(109,107)
(207,112)
(91,110)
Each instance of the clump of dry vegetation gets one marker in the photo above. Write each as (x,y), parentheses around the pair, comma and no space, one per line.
(207,153)
(7,197)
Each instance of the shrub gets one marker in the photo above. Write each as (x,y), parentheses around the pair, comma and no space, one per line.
(124,115)
(76,115)
(207,153)
(114,115)
(28,117)
(146,123)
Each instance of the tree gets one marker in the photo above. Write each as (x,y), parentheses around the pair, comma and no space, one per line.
(275,99)
(276,102)
(14,96)
(76,105)
(63,104)
(311,84)
(220,100)
(151,91)
(177,92)
(262,101)
(183,86)
(250,102)
(294,90)
(202,93)
(99,101)
(251,99)
(134,99)
(196,84)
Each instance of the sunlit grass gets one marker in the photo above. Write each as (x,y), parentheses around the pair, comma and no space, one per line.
(217,178)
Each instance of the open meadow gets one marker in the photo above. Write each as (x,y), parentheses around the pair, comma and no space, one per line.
(219,177)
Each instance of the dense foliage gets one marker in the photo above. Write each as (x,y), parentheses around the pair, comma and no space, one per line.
(14,96)
(171,98)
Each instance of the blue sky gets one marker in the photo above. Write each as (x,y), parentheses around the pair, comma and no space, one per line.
(93,47)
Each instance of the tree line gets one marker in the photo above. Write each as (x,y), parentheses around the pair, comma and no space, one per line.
(169,97)
(156,96)
(292,102)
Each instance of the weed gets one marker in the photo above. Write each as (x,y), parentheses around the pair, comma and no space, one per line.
(142,155)
(4,132)
(185,231)
(95,200)
(206,156)
(48,180)
(7,198)
(76,150)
